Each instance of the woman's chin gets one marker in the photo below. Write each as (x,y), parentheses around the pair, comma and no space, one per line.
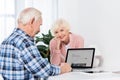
(62,40)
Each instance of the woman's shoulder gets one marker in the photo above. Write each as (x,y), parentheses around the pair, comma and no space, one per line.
(77,40)
(53,40)
(73,35)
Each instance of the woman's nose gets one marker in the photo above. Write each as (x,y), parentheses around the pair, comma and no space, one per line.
(59,34)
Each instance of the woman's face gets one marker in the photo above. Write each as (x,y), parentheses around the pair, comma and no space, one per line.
(62,33)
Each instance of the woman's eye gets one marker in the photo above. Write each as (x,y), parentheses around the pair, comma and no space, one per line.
(56,32)
(61,30)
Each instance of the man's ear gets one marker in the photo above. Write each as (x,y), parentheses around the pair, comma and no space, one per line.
(32,20)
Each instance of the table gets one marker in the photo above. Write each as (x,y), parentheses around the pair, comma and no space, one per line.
(86,76)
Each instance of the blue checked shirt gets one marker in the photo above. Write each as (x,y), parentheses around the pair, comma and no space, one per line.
(21,60)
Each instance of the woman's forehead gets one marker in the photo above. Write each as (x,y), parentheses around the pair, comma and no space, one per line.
(62,27)
(58,28)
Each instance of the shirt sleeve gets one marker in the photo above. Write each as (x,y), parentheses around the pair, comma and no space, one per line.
(35,64)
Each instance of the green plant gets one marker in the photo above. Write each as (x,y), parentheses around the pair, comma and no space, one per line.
(44,48)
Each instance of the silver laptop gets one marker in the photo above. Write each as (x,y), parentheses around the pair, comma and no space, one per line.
(81,59)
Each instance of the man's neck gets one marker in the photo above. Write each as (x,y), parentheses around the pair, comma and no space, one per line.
(26,29)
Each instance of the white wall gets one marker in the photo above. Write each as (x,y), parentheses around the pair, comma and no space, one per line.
(98,22)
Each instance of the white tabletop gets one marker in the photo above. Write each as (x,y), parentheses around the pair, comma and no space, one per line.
(86,76)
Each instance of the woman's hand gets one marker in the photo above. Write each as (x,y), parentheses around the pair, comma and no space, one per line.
(58,43)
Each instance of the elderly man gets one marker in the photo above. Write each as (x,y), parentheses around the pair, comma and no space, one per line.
(20,58)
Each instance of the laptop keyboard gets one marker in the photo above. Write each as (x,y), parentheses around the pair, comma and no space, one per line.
(88,70)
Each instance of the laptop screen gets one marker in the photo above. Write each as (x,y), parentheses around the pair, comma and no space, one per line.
(80,57)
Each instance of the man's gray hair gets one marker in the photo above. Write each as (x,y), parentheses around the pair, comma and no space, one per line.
(27,14)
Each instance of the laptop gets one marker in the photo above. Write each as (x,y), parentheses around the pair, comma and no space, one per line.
(81,59)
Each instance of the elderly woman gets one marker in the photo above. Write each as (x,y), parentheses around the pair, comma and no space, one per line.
(63,39)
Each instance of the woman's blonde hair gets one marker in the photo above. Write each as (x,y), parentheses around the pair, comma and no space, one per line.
(28,14)
(60,23)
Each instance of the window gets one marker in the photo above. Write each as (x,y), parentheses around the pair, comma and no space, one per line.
(7,18)
(9,10)
(49,12)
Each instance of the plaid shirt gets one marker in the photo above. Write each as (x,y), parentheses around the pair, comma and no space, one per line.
(21,60)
